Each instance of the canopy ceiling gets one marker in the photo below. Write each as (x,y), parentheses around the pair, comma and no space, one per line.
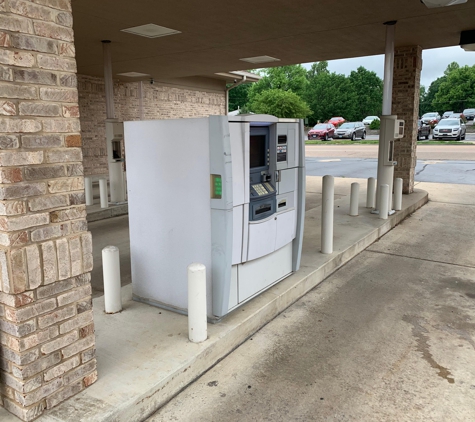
(216,34)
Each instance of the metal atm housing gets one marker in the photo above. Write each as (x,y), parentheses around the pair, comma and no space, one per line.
(225,192)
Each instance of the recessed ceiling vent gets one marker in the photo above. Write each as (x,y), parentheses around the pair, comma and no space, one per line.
(260,59)
(151,30)
(133,74)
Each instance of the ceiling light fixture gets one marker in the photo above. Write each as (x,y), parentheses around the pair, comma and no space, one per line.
(133,74)
(467,40)
(151,30)
(441,3)
(260,59)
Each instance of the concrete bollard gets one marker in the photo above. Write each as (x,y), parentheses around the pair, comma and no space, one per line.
(398,194)
(328,196)
(111,273)
(197,314)
(371,193)
(354,199)
(103,193)
(384,202)
(88,189)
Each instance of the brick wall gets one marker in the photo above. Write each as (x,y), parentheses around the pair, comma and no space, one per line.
(406,87)
(46,323)
(160,101)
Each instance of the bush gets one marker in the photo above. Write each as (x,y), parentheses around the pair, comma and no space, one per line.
(375,124)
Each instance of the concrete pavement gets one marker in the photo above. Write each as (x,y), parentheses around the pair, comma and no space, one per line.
(144,357)
(388,337)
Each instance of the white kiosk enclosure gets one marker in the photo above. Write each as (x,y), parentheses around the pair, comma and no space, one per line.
(225,192)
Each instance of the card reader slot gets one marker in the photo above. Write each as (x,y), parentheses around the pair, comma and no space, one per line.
(282,204)
(263,209)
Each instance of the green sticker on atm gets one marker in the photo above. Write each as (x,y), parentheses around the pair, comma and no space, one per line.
(216,186)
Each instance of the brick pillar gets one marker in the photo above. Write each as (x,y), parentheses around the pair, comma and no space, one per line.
(406,84)
(46,322)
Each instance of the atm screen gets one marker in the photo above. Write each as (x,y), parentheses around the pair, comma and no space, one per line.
(258,151)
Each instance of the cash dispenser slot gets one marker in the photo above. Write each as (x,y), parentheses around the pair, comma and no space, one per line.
(258,210)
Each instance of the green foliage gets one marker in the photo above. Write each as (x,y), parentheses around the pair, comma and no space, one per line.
(238,97)
(426,104)
(280,103)
(286,78)
(369,92)
(457,91)
(375,124)
(453,91)
(329,95)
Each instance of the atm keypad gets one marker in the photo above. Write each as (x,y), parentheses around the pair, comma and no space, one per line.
(260,189)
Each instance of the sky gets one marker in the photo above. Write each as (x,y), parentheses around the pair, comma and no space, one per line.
(434,62)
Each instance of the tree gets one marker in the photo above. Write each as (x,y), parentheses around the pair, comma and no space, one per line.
(329,95)
(457,91)
(238,97)
(368,87)
(429,103)
(286,78)
(280,103)
(317,68)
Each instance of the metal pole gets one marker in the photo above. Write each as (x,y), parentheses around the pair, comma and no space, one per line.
(108,83)
(88,189)
(386,172)
(328,189)
(370,193)
(354,199)
(111,273)
(197,319)
(103,193)
(398,194)
(384,202)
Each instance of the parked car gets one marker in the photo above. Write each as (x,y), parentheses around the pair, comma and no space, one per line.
(351,130)
(369,119)
(323,131)
(458,116)
(431,118)
(446,114)
(423,130)
(469,113)
(451,129)
(336,121)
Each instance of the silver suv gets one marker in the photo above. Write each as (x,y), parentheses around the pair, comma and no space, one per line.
(469,113)
(351,130)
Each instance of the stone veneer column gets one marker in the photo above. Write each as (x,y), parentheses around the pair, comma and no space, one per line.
(46,322)
(406,84)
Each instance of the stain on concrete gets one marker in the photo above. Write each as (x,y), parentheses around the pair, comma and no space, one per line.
(422,340)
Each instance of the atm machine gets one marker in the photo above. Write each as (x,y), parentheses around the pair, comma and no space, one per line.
(115,159)
(226,192)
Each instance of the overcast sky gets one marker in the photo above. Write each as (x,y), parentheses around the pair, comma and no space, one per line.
(435,61)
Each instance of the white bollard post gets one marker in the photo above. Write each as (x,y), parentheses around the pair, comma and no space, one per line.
(197,318)
(103,193)
(111,272)
(328,196)
(88,188)
(354,199)
(398,194)
(371,193)
(384,202)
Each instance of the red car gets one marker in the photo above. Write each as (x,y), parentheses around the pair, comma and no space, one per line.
(322,131)
(337,121)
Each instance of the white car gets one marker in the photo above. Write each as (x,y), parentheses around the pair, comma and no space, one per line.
(369,119)
(450,129)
